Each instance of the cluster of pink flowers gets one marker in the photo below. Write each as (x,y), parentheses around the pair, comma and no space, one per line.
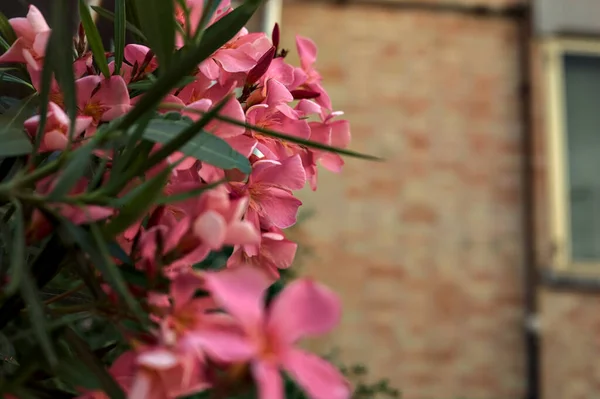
(198,339)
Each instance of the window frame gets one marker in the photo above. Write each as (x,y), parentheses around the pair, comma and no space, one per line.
(557,152)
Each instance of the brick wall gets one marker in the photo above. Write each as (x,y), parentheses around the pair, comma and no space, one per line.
(425,249)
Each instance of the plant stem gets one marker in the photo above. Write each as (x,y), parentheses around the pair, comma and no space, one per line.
(64,294)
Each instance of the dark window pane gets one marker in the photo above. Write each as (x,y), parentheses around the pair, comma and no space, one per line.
(582,81)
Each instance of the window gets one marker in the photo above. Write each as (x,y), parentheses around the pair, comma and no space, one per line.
(573,116)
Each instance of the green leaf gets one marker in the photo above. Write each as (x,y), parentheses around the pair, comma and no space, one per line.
(44,93)
(95,246)
(136,203)
(59,53)
(97,369)
(6,30)
(157,20)
(37,317)
(14,143)
(5,77)
(16,114)
(294,139)
(120,23)
(104,13)
(208,11)
(112,274)
(74,171)
(203,146)
(17,250)
(213,38)
(75,373)
(145,85)
(93,38)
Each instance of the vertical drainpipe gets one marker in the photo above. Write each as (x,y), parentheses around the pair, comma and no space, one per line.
(267,15)
(272,13)
(530,275)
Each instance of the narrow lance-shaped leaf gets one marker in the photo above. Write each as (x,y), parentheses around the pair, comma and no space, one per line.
(184,135)
(37,316)
(46,86)
(17,250)
(93,38)
(120,24)
(208,11)
(213,38)
(6,30)
(203,146)
(60,54)
(86,356)
(279,135)
(137,203)
(94,245)
(5,77)
(12,136)
(104,13)
(157,20)
(74,170)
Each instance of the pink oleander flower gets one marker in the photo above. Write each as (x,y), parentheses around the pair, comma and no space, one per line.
(141,62)
(83,65)
(40,226)
(232,134)
(196,7)
(56,130)
(274,252)
(327,131)
(240,54)
(102,99)
(308,77)
(269,188)
(32,37)
(303,309)
(155,373)
(198,226)
(166,373)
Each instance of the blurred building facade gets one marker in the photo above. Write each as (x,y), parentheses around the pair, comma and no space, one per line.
(468,262)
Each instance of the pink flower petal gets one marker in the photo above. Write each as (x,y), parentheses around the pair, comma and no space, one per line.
(332,162)
(242,144)
(40,42)
(14,53)
(159,359)
(232,60)
(318,378)
(54,140)
(85,87)
(22,28)
(268,380)
(290,174)
(340,133)
(183,288)
(241,233)
(281,207)
(136,53)
(240,291)
(211,228)
(113,92)
(304,308)
(307,50)
(281,253)
(36,20)
(224,343)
